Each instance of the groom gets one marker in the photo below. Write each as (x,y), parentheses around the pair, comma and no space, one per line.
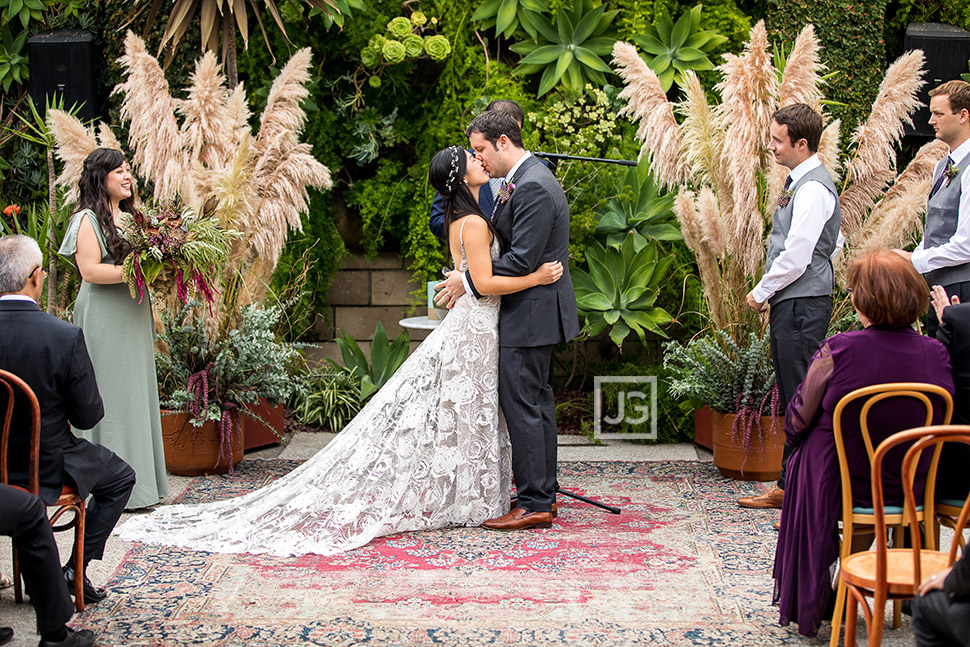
(532,217)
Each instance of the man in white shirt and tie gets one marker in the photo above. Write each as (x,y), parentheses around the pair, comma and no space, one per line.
(943,256)
(798,279)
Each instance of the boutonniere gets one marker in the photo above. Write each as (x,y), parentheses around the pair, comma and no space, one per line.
(951,173)
(785,197)
(505,192)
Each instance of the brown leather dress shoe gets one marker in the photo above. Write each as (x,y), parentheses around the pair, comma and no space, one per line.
(778,527)
(520,519)
(770,499)
(555,507)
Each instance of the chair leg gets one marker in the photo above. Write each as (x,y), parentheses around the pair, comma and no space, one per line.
(839,612)
(79,559)
(851,618)
(897,614)
(877,621)
(18,590)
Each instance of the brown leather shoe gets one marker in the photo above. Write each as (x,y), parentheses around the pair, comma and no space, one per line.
(770,499)
(777,525)
(520,519)
(555,507)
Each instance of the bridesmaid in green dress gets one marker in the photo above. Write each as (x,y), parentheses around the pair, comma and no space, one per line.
(119,331)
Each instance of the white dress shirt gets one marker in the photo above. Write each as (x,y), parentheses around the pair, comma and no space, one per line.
(812,206)
(955,251)
(16,297)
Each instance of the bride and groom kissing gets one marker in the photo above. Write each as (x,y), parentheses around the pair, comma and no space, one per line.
(430,450)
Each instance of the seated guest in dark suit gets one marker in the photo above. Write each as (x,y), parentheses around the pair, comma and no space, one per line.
(23,517)
(889,296)
(953,481)
(941,613)
(49,355)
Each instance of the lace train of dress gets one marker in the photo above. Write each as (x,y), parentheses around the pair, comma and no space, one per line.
(430,450)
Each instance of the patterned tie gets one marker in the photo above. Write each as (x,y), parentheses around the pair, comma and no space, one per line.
(939,180)
(505,185)
(787,182)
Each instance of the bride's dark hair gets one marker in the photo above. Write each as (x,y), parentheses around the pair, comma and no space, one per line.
(94,196)
(447,174)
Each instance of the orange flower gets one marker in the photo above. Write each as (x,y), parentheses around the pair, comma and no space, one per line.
(11,210)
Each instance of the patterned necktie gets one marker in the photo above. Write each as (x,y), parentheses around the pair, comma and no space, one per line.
(939,180)
(787,182)
(498,199)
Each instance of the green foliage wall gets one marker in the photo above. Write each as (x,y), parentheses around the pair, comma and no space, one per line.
(852,40)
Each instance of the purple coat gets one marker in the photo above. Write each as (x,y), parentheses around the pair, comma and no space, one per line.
(808,541)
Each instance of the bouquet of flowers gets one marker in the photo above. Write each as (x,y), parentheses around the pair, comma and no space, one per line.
(172,250)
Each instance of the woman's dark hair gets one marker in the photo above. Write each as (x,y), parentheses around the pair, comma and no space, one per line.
(94,196)
(446,174)
(887,289)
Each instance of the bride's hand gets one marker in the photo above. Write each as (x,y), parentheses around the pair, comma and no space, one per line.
(549,273)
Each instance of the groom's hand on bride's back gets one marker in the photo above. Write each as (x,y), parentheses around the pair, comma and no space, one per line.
(449,290)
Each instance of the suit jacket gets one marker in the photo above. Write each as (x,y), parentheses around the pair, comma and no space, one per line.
(49,354)
(957,583)
(535,223)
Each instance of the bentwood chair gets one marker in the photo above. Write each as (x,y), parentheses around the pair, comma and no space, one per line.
(894,515)
(68,501)
(896,573)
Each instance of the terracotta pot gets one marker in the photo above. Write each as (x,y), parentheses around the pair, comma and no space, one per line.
(703,433)
(194,451)
(760,461)
(260,435)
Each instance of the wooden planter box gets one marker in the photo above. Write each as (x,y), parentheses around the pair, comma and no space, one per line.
(760,461)
(194,451)
(259,435)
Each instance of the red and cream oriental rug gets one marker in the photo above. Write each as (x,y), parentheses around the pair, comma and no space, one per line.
(681,565)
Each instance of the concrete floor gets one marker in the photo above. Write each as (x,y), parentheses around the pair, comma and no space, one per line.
(303,446)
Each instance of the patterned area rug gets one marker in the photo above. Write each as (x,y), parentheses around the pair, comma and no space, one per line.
(682,565)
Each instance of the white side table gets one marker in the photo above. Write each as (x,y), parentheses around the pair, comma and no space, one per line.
(419,323)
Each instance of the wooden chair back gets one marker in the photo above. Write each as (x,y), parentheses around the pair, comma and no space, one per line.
(873,395)
(68,502)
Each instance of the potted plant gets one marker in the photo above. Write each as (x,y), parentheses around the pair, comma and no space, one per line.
(738,383)
(210,384)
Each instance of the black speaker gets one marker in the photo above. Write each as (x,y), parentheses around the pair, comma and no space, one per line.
(947,49)
(62,64)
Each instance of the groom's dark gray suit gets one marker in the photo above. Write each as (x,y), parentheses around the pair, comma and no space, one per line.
(534,223)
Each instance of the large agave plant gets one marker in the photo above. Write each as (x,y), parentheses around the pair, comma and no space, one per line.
(620,289)
(670,48)
(643,211)
(507,16)
(570,51)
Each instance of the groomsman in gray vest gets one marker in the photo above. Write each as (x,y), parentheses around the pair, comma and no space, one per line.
(798,278)
(943,256)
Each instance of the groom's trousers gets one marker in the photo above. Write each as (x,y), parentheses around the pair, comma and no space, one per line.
(530,412)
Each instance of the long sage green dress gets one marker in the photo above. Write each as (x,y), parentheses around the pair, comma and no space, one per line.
(120,338)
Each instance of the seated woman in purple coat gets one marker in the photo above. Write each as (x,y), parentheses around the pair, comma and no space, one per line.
(889,296)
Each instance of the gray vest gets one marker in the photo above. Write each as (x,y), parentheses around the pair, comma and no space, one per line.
(942,214)
(818,278)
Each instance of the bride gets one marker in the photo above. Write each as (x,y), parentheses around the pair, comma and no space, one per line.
(430,449)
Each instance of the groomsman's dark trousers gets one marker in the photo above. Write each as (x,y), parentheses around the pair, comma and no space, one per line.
(798,326)
(23,518)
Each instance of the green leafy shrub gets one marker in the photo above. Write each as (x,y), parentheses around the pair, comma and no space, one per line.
(385,358)
(571,51)
(640,209)
(728,377)
(674,48)
(330,398)
(620,289)
(509,16)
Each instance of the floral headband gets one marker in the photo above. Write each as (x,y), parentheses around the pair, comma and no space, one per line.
(451,184)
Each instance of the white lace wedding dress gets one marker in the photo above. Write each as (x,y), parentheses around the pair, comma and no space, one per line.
(430,450)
